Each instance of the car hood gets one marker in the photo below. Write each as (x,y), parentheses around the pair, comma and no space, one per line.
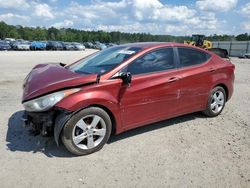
(46,78)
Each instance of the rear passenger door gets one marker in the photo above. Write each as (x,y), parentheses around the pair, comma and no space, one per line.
(196,70)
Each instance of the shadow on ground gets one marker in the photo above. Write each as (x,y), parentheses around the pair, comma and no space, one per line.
(19,139)
(154,126)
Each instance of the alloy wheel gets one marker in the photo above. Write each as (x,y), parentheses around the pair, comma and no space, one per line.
(89,132)
(217,102)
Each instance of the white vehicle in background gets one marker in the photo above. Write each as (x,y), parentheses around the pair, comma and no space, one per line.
(9,40)
(244,55)
(78,46)
(21,45)
(247,55)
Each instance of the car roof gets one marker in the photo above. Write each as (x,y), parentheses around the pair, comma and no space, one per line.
(145,45)
(149,45)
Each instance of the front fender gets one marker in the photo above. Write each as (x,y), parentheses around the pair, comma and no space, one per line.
(79,101)
(82,99)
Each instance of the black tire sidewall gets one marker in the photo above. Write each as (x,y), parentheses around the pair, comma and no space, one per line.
(69,126)
(209,111)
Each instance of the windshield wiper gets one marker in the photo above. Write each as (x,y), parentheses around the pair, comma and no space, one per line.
(62,64)
(98,77)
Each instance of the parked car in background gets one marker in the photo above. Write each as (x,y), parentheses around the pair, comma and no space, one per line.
(21,45)
(102,46)
(99,46)
(8,40)
(121,88)
(78,46)
(96,44)
(11,43)
(38,45)
(68,46)
(19,40)
(245,55)
(89,45)
(110,44)
(4,45)
(54,45)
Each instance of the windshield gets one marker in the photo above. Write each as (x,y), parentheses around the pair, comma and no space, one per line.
(23,42)
(104,61)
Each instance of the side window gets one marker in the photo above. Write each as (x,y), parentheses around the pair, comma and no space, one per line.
(158,60)
(189,57)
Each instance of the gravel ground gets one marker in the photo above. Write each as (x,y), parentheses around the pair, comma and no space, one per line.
(188,151)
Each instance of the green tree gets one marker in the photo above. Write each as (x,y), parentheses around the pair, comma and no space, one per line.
(3,30)
(242,37)
(68,34)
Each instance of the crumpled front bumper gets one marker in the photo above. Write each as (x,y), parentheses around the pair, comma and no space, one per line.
(47,123)
(39,122)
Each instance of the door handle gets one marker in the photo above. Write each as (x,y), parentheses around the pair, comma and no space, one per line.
(211,69)
(173,79)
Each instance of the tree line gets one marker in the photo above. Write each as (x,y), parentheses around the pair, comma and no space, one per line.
(70,35)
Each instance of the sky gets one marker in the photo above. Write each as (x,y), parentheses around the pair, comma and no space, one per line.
(171,17)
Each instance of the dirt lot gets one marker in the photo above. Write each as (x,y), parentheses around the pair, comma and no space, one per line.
(189,151)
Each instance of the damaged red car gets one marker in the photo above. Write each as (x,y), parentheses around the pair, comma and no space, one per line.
(121,88)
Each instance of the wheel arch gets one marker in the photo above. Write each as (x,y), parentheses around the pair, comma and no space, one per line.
(225,88)
(62,119)
(109,112)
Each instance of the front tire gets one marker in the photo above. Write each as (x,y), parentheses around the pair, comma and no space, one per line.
(216,102)
(87,131)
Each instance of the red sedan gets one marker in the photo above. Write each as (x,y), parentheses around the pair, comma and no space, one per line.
(121,88)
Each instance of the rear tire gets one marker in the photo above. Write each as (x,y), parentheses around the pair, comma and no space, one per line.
(87,131)
(216,102)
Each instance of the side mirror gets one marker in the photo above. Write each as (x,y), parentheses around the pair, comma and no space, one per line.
(126,77)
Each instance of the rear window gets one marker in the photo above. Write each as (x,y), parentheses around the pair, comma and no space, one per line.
(220,52)
(189,57)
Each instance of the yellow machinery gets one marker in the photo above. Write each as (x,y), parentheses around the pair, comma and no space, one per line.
(199,41)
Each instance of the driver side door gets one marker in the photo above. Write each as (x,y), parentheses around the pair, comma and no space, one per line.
(154,92)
